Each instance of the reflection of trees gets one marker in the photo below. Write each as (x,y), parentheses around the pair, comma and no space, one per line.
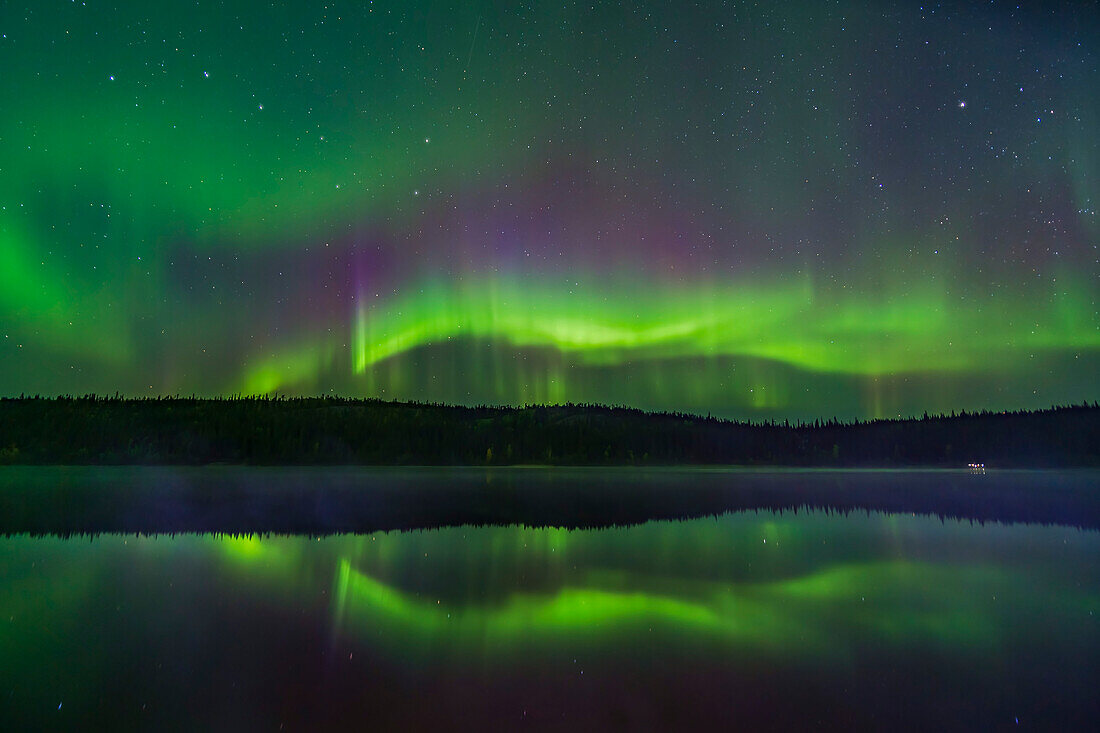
(333,500)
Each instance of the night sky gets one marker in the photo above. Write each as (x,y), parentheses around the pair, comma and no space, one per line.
(759,210)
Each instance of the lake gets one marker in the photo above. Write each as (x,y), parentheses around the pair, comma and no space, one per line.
(751,610)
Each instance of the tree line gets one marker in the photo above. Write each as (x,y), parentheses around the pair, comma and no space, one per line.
(92,429)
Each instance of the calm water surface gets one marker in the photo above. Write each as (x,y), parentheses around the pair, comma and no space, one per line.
(757,619)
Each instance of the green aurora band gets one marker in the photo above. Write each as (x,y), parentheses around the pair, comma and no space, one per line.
(860,334)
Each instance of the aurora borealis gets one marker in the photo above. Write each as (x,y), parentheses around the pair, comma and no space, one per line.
(758,210)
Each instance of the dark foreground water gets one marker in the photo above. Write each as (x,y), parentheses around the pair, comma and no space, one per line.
(760,618)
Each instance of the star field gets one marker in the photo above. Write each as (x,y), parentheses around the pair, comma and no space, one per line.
(753,209)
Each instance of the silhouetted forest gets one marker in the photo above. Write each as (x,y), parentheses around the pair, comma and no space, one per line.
(268,431)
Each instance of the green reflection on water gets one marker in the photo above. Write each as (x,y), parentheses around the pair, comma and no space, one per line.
(813,586)
(828,603)
(818,614)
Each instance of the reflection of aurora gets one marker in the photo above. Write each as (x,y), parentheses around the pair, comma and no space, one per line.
(794,617)
(763,587)
(854,610)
